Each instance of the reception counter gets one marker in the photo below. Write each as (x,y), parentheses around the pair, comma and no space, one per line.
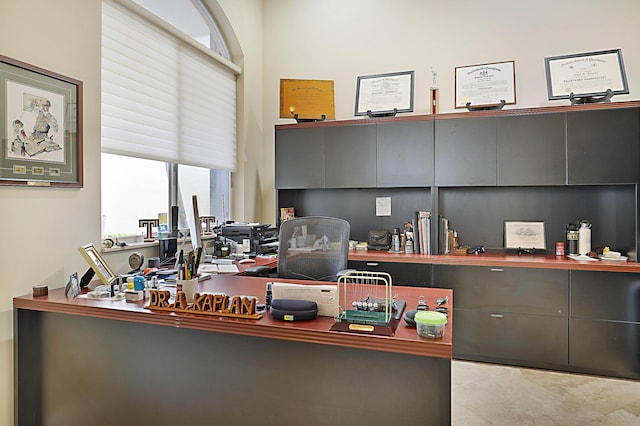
(82,361)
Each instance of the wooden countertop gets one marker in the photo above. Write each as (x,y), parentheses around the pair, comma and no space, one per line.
(499,260)
(405,341)
(466,114)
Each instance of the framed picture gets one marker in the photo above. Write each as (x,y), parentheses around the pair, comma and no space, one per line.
(40,127)
(586,74)
(485,85)
(385,93)
(97,263)
(524,235)
(307,98)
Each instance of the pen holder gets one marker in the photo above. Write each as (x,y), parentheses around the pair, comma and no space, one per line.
(188,287)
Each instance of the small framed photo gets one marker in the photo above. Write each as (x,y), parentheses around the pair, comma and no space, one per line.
(486,85)
(586,75)
(524,235)
(385,93)
(97,263)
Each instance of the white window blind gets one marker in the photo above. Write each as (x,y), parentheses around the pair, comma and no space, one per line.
(163,98)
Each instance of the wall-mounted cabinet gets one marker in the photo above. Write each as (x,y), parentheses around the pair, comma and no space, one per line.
(558,165)
(531,150)
(350,157)
(405,154)
(602,146)
(300,158)
(465,152)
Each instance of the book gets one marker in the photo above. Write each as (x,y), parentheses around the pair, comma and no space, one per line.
(424,225)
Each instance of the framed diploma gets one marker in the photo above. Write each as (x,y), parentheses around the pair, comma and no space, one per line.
(485,85)
(385,93)
(307,98)
(524,235)
(586,75)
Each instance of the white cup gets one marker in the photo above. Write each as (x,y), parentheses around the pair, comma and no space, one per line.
(189,288)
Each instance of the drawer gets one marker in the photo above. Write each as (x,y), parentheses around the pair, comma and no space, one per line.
(512,337)
(605,347)
(406,274)
(605,295)
(514,290)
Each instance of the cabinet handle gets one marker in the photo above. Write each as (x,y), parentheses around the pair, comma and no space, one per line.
(373,264)
(496,270)
(497,315)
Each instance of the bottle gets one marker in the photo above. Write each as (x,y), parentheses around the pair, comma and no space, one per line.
(408,244)
(584,237)
(572,238)
(395,240)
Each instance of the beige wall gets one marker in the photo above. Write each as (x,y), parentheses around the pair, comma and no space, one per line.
(340,40)
(42,228)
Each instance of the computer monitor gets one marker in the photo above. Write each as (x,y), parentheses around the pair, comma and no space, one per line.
(98,265)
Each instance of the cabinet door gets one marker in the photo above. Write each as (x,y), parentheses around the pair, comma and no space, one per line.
(603,146)
(605,347)
(405,154)
(510,337)
(350,156)
(506,290)
(405,274)
(465,151)
(531,150)
(299,158)
(611,296)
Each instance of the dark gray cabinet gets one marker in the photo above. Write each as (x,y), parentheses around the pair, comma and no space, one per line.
(605,323)
(350,156)
(299,158)
(405,154)
(465,152)
(515,339)
(405,274)
(510,315)
(557,164)
(603,147)
(531,150)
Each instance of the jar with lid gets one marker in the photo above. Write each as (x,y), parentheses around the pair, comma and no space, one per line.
(584,237)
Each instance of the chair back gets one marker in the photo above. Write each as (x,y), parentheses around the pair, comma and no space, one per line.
(313,248)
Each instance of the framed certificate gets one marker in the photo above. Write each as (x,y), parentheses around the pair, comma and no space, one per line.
(384,93)
(524,235)
(586,74)
(307,98)
(486,84)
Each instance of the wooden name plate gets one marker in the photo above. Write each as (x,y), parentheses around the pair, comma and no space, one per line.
(211,304)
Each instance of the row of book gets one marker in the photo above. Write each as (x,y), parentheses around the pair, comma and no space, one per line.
(421,223)
(447,236)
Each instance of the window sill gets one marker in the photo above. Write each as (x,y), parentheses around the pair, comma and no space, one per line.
(144,244)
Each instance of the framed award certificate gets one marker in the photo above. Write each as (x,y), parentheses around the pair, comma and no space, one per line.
(586,75)
(524,235)
(385,93)
(486,84)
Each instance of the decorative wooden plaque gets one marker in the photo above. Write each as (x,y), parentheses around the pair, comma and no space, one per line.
(307,98)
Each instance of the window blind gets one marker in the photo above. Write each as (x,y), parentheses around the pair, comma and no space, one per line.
(162,97)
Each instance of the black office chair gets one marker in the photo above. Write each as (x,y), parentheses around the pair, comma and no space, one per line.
(313,248)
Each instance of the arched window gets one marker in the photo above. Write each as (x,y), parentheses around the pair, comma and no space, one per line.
(168,112)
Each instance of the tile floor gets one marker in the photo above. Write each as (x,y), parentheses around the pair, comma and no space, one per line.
(489,395)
